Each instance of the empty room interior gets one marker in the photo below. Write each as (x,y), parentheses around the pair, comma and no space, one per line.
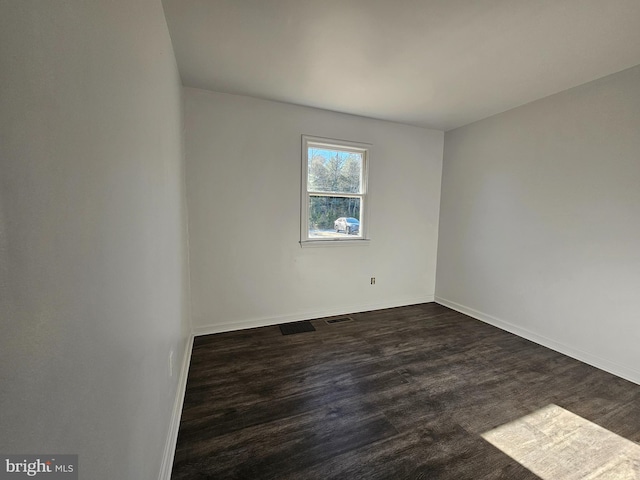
(296,239)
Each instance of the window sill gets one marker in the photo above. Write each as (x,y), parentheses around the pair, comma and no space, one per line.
(338,242)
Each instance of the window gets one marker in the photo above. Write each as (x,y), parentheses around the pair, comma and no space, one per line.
(334,191)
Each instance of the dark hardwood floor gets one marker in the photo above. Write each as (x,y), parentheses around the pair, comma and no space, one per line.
(402,393)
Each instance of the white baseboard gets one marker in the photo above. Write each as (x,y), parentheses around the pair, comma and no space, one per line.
(172,437)
(602,363)
(267,321)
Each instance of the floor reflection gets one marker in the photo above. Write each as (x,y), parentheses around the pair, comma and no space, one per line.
(556,444)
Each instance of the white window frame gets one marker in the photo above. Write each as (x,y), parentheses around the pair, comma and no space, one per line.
(344,146)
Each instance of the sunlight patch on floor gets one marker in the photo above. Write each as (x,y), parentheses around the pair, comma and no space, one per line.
(556,444)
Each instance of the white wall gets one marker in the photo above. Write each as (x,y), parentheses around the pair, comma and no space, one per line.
(243,188)
(93,275)
(540,222)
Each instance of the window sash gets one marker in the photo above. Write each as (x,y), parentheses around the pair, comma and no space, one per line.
(309,142)
(335,194)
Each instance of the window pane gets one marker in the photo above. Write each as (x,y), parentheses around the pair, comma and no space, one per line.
(334,171)
(334,217)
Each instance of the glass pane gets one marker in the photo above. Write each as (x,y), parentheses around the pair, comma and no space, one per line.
(334,217)
(334,171)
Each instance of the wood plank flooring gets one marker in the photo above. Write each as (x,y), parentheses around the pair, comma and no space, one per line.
(402,393)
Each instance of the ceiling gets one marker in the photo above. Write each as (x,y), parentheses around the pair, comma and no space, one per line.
(433,63)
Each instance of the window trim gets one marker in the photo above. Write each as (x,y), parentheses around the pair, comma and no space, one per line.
(345,146)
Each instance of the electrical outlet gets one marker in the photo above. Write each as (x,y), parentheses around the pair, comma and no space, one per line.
(373,280)
(171,363)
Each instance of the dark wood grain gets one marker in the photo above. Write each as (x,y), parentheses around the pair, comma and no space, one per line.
(401,393)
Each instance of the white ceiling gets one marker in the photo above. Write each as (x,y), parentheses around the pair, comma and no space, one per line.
(433,63)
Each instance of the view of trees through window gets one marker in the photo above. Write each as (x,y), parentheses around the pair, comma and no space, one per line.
(335,186)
